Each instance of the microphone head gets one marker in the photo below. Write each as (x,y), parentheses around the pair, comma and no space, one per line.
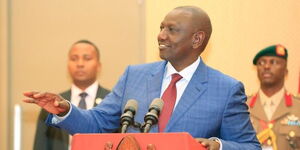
(131,105)
(157,104)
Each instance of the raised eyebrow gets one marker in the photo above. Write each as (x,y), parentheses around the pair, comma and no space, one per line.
(276,60)
(87,56)
(73,56)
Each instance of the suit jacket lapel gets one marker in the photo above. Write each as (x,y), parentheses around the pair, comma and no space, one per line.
(155,80)
(191,94)
(67,95)
(98,95)
(61,134)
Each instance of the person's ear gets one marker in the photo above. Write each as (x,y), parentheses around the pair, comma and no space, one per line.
(99,67)
(198,39)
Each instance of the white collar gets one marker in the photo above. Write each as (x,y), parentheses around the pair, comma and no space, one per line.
(186,73)
(89,90)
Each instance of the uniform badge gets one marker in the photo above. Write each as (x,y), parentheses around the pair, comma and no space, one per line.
(292,133)
(280,50)
(291,120)
(98,100)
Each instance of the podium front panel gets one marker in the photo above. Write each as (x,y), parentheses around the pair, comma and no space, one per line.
(161,141)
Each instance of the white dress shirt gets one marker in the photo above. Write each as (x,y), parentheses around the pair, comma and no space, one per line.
(90,98)
(186,73)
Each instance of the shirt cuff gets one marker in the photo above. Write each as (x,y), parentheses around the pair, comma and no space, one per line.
(57,119)
(217,140)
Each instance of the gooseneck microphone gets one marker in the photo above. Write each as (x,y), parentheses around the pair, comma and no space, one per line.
(127,117)
(151,118)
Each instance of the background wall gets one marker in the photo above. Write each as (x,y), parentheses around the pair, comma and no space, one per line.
(35,37)
(3,76)
(39,36)
(240,30)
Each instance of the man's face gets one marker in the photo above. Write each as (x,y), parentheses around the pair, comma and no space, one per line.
(271,70)
(83,63)
(175,37)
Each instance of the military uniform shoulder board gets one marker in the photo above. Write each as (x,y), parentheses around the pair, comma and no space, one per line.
(249,96)
(297,96)
(288,99)
(252,100)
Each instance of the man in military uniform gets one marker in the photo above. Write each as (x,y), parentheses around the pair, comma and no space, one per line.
(274,112)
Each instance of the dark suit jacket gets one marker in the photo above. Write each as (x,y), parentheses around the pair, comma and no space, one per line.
(51,138)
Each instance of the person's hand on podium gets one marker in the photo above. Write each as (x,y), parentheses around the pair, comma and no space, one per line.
(52,103)
(209,144)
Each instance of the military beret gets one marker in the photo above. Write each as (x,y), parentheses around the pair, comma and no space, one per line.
(274,50)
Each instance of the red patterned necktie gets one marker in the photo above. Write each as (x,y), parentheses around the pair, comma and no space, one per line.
(169,98)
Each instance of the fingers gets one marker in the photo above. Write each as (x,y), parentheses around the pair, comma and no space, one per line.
(209,144)
(29,101)
(42,98)
(29,94)
(51,102)
(203,141)
(63,108)
(151,147)
(63,104)
(34,94)
(58,101)
(42,95)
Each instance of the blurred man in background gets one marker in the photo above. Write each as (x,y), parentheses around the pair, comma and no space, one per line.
(274,112)
(83,66)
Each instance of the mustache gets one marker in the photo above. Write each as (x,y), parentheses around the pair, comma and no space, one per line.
(268,72)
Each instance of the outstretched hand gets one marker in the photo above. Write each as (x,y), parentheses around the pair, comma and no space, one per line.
(209,144)
(52,103)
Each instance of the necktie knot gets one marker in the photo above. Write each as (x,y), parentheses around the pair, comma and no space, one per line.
(176,77)
(83,95)
(82,103)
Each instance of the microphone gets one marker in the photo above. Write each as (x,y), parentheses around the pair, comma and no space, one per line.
(128,115)
(151,118)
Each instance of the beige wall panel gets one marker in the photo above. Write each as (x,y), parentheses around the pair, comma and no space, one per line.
(3,76)
(240,30)
(43,31)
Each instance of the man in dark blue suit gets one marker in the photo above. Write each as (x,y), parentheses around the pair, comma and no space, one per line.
(207,104)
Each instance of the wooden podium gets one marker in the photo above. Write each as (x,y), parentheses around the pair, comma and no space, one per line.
(135,141)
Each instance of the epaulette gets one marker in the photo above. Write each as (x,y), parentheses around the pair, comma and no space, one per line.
(252,100)
(251,95)
(288,99)
(296,96)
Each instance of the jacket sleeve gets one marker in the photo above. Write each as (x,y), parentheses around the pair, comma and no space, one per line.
(236,124)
